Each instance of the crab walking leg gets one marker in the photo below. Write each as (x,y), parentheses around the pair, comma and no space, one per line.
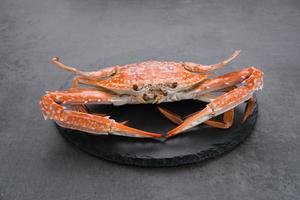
(228,116)
(75,84)
(249,108)
(227,122)
(52,107)
(84,77)
(107,72)
(82,107)
(204,68)
(176,119)
(224,102)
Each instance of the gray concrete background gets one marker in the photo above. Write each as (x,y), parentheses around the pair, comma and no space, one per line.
(36,162)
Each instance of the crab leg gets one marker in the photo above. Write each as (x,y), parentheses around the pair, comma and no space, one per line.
(249,108)
(52,107)
(176,119)
(220,83)
(225,102)
(75,84)
(227,122)
(84,77)
(198,68)
(228,116)
(103,73)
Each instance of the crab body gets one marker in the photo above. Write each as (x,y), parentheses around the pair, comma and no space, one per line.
(151,82)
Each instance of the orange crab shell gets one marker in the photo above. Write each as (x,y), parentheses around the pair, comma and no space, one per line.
(154,75)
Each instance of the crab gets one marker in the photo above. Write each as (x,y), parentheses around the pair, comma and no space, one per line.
(152,82)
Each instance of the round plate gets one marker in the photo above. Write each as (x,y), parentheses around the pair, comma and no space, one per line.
(195,145)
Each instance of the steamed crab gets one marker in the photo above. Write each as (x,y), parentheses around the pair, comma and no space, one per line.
(152,82)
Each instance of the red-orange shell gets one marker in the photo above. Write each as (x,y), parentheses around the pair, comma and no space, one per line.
(155,73)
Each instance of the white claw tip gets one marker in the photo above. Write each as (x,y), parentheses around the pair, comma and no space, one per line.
(54,59)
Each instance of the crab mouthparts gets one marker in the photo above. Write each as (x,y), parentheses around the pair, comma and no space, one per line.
(154,95)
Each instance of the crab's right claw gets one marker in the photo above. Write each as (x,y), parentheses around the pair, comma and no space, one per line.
(225,103)
(83,121)
(120,129)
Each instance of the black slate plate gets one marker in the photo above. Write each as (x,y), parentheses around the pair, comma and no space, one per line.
(196,145)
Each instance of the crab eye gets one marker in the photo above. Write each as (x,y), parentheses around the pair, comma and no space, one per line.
(135,87)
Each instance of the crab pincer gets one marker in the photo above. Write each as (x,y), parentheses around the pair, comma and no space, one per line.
(225,102)
(53,106)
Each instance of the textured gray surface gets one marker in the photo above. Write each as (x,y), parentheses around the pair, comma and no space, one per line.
(36,162)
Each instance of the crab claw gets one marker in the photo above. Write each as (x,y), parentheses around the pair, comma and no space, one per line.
(192,121)
(120,129)
(226,102)
(97,124)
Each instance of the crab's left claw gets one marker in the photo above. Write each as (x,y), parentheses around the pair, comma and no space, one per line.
(121,129)
(226,102)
